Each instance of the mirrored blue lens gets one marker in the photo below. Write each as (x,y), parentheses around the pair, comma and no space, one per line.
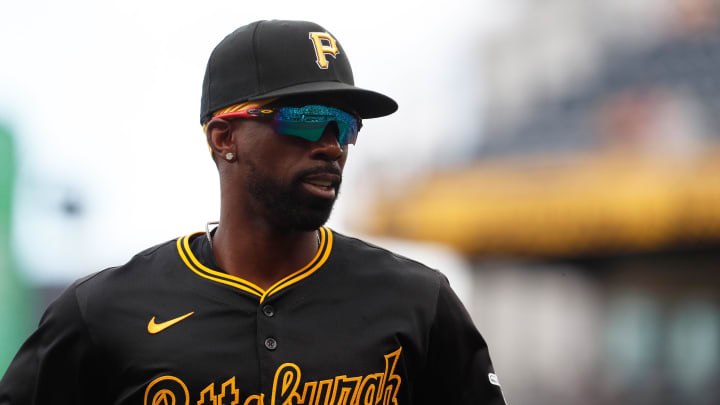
(309,122)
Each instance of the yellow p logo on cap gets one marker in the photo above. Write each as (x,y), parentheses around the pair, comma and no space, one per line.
(322,48)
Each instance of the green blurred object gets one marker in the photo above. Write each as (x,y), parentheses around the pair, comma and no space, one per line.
(15,313)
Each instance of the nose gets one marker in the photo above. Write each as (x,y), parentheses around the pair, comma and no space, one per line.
(328,147)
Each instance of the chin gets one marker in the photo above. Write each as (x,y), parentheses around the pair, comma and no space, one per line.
(304,217)
(290,207)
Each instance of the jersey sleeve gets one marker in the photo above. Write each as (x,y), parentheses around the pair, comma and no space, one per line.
(459,366)
(55,364)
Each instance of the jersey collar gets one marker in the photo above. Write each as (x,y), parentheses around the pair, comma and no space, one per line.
(206,267)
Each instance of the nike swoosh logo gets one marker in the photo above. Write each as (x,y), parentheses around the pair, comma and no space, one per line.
(154,328)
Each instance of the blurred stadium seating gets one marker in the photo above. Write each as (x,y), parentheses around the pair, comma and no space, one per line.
(591,210)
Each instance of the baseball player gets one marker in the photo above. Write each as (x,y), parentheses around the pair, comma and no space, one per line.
(270,307)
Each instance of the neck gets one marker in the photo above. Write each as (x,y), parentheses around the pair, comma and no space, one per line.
(258,252)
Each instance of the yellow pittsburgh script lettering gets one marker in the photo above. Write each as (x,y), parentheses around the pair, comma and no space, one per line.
(345,390)
(308,398)
(287,379)
(207,396)
(380,388)
(230,395)
(166,390)
(373,389)
(255,400)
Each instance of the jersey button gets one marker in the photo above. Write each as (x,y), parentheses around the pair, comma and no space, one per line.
(271,344)
(269,311)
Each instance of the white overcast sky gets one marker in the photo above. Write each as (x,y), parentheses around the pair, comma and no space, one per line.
(103,98)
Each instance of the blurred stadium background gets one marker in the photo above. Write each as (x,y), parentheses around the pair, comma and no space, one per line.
(560,160)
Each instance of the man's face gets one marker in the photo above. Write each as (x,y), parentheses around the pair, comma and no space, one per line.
(290,181)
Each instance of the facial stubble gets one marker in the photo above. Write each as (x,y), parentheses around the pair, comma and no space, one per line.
(287,206)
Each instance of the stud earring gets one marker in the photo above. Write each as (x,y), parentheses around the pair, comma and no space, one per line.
(229,156)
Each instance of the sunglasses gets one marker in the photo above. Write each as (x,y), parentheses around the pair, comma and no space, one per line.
(308,122)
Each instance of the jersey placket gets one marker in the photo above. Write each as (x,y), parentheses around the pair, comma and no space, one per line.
(268,344)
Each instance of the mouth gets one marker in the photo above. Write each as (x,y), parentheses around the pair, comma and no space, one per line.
(323,185)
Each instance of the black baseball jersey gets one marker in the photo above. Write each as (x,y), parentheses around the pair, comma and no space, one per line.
(357,326)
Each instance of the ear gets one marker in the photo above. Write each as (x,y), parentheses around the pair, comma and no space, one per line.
(220,138)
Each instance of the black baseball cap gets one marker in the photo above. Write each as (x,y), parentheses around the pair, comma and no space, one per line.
(275,58)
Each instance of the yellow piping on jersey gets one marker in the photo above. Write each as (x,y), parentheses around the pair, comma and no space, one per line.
(197,263)
(187,256)
(326,240)
(239,283)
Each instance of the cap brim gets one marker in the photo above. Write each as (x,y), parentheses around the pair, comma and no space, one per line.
(366,103)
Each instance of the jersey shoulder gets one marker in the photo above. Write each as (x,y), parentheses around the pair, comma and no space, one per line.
(148,269)
(139,263)
(368,257)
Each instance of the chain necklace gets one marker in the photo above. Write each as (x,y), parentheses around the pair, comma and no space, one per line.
(209,237)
